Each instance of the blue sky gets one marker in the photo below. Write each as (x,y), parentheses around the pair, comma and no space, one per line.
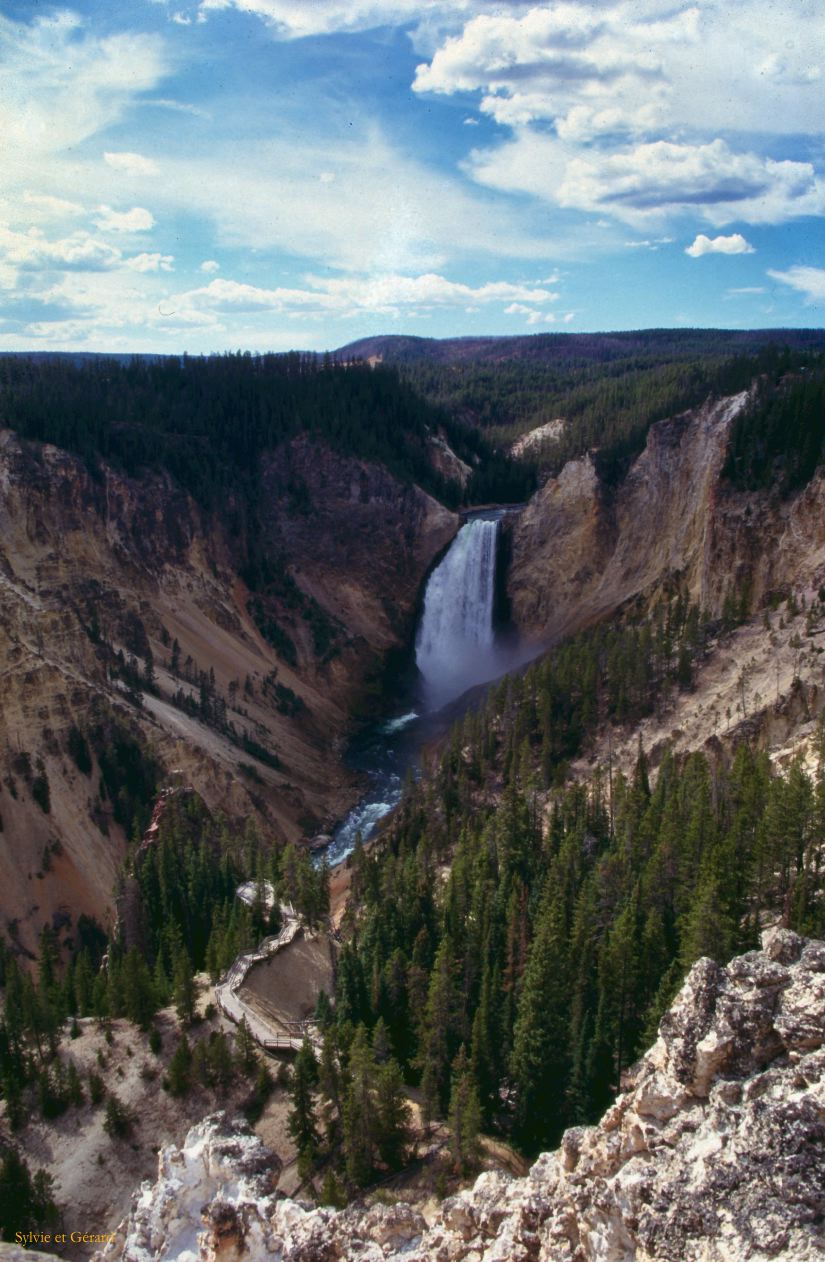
(209,174)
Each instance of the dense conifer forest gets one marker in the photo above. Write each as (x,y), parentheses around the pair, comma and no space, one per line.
(207,421)
(534,961)
(608,389)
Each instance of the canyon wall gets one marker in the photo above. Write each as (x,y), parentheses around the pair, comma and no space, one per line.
(582,549)
(107,581)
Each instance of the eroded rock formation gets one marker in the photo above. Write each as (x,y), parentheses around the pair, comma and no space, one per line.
(715,1152)
(93,566)
(581,549)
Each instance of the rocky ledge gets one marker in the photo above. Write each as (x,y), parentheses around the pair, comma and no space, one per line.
(714,1153)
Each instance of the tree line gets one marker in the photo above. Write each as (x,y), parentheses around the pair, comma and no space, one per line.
(207,420)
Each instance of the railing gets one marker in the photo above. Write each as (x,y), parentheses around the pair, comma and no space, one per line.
(235,1010)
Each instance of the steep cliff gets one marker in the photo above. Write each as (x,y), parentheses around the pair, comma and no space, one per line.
(131,647)
(714,1153)
(581,549)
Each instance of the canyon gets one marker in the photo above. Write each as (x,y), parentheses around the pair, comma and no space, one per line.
(90,568)
(150,641)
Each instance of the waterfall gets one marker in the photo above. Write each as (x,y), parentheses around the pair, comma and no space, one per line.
(454,648)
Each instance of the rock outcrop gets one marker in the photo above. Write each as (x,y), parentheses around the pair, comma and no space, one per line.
(715,1152)
(581,549)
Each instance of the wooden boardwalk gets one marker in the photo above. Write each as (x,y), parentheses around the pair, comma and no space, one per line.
(285,1036)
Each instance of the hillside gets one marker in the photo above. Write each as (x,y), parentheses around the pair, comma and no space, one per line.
(582,347)
(153,626)
(715,1150)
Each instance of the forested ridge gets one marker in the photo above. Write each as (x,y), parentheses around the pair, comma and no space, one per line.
(207,421)
(778,441)
(607,391)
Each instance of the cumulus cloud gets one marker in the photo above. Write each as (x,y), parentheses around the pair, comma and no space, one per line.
(809,281)
(33,251)
(150,262)
(582,67)
(135,300)
(654,179)
(621,67)
(531,315)
(734,244)
(347,296)
(590,92)
(138,219)
(131,163)
(210,265)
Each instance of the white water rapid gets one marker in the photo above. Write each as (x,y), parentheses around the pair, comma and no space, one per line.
(454,647)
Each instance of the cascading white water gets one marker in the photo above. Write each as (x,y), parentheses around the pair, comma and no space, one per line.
(454,647)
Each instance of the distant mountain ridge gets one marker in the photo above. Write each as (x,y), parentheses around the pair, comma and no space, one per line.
(599,347)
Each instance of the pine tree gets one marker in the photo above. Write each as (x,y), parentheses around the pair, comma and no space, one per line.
(179,1076)
(438,1038)
(393,1116)
(117,1122)
(184,987)
(302,1122)
(245,1047)
(464,1118)
(137,989)
(360,1123)
(540,1060)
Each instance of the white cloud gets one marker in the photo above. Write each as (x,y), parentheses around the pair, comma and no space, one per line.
(129,306)
(591,91)
(31,250)
(637,66)
(746,289)
(137,219)
(531,315)
(131,163)
(734,244)
(582,67)
(651,180)
(809,281)
(150,262)
(62,84)
(48,207)
(384,213)
(349,296)
(177,107)
(655,244)
(322,17)
(210,265)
